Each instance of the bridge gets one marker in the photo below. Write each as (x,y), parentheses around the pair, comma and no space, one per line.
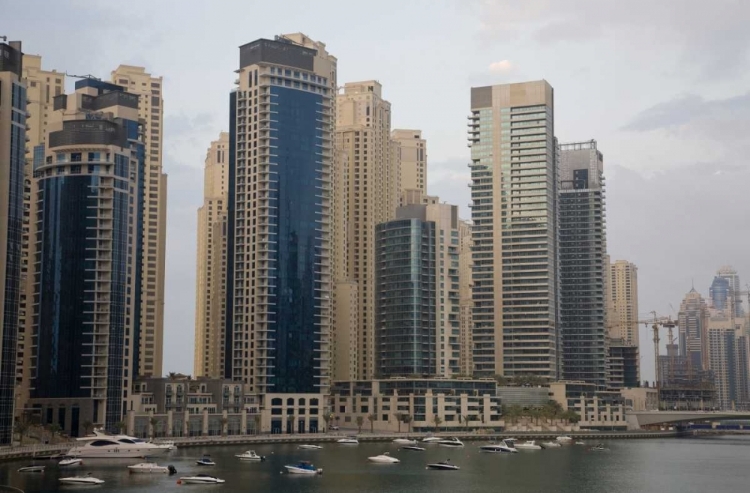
(637,419)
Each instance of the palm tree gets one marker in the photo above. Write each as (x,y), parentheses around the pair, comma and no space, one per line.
(436,419)
(360,422)
(407,420)
(172,375)
(572,417)
(513,412)
(327,417)
(152,422)
(120,425)
(371,418)
(224,422)
(87,426)
(256,419)
(466,420)
(22,428)
(53,429)
(398,419)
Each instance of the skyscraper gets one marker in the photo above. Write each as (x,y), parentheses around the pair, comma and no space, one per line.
(278,309)
(728,361)
(466,303)
(693,330)
(624,292)
(90,177)
(210,289)
(513,190)
(582,250)
(726,291)
(150,311)
(363,132)
(12,146)
(409,151)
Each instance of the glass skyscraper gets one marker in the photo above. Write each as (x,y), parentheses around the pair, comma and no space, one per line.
(12,149)
(87,286)
(279,219)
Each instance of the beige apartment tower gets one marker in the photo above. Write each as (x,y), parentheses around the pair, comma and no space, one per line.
(151,112)
(369,188)
(210,284)
(409,151)
(513,190)
(623,289)
(466,302)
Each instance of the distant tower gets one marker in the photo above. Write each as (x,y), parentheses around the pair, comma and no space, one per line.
(693,327)
(726,289)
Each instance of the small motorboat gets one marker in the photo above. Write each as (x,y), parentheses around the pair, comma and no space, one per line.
(250,455)
(414,448)
(200,479)
(87,479)
(384,458)
(443,466)
(150,468)
(205,461)
(450,442)
(303,467)
(528,445)
(564,439)
(551,445)
(70,461)
(404,441)
(598,448)
(307,446)
(431,439)
(31,468)
(501,447)
(348,441)
(580,442)
(167,444)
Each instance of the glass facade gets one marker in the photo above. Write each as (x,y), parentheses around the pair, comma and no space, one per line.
(405,299)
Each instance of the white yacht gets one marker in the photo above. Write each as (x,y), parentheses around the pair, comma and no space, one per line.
(580,442)
(303,467)
(551,444)
(431,439)
(250,455)
(103,446)
(70,461)
(450,442)
(564,439)
(500,447)
(528,445)
(31,468)
(348,441)
(200,479)
(308,446)
(404,441)
(384,458)
(414,448)
(84,480)
(443,466)
(150,468)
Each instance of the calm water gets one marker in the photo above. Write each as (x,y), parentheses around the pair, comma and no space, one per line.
(672,465)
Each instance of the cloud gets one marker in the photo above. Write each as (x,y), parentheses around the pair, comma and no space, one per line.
(503,66)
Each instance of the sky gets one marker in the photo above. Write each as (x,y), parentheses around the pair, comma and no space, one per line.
(662,86)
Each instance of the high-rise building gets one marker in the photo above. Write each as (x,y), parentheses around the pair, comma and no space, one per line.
(409,151)
(466,302)
(418,282)
(90,176)
(692,322)
(279,285)
(150,312)
(728,362)
(210,281)
(514,193)
(624,292)
(363,130)
(583,267)
(41,88)
(12,148)
(726,291)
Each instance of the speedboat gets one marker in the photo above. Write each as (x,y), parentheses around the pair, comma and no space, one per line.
(150,467)
(580,442)
(598,448)
(205,461)
(431,439)
(528,445)
(303,467)
(31,468)
(404,441)
(250,455)
(348,441)
(450,442)
(501,447)
(564,439)
(100,445)
(443,466)
(88,479)
(415,448)
(551,445)
(200,479)
(384,458)
(307,446)
(70,461)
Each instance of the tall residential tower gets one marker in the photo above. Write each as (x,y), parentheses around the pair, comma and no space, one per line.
(514,192)
(409,151)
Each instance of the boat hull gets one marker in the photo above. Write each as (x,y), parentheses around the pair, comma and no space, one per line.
(116,452)
(442,467)
(299,470)
(194,480)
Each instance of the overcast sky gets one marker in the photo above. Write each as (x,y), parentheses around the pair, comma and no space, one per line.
(663,86)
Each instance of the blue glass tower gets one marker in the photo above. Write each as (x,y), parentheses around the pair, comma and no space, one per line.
(87,289)
(12,149)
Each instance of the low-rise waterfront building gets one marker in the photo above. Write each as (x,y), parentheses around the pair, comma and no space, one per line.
(596,409)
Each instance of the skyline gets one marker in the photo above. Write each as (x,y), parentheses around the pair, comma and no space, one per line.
(663,202)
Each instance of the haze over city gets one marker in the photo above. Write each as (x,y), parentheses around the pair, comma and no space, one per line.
(672,122)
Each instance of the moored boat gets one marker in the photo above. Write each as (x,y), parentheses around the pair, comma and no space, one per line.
(250,455)
(31,468)
(450,442)
(384,458)
(103,445)
(500,447)
(303,467)
(348,441)
(404,441)
(308,446)
(528,445)
(82,480)
(413,448)
(443,466)
(564,439)
(551,445)
(70,461)
(205,461)
(150,468)
(200,479)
